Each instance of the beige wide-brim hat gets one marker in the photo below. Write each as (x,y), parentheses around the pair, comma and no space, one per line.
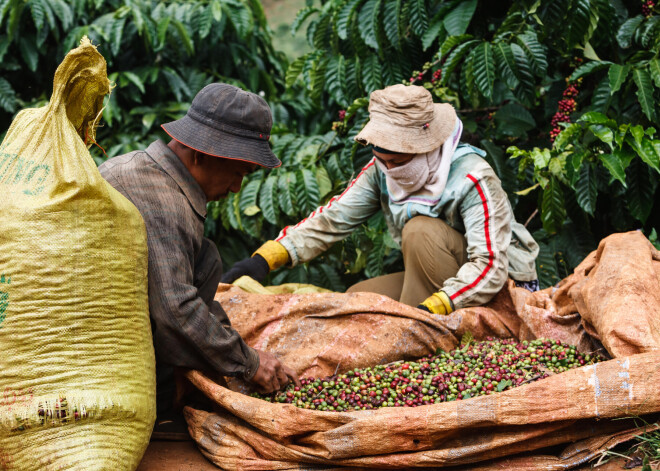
(403,118)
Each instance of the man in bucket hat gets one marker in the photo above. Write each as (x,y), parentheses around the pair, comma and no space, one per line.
(442,202)
(222,138)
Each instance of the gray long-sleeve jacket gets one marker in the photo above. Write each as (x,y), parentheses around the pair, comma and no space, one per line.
(473,202)
(190,329)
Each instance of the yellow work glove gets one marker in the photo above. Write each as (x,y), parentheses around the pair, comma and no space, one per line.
(274,253)
(437,303)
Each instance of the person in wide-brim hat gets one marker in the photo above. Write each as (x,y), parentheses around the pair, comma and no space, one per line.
(404,119)
(442,203)
(223,137)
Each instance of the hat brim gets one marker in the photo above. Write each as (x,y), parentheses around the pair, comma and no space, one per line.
(409,140)
(217,143)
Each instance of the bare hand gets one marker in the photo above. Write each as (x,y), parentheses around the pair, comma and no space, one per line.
(272,375)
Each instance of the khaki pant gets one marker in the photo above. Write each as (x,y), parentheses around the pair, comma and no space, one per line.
(432,252)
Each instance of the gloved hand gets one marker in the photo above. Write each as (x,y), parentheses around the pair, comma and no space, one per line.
(255,267)
(437,303)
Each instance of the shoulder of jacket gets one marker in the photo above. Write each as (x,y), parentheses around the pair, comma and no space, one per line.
(471,165)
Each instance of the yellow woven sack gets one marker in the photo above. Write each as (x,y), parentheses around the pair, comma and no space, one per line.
(77,371)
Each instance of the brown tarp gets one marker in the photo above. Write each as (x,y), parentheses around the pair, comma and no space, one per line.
(612,300)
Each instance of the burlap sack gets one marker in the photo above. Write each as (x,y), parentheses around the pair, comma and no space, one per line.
(318,334)
(77,372)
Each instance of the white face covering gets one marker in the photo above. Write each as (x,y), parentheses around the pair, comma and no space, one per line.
(423,179)
(409,177)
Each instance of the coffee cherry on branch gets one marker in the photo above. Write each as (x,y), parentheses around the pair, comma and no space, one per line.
(647,8)
(477,369)
(565,107)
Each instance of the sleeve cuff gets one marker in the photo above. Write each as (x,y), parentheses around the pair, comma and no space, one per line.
(274,253)
(252,364)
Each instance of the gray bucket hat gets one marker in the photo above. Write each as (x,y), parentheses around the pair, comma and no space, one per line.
(225,121)
(403,118)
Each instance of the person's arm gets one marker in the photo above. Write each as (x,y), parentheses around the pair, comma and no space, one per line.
(186,332)
(315,234)
(486,215)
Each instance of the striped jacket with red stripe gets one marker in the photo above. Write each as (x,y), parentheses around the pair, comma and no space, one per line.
(473,203)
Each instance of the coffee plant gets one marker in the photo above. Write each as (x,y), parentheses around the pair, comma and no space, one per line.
(475,369)
(159,55)
(518,73)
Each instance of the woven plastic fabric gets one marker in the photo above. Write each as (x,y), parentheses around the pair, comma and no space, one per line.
(77,370)
(612,300)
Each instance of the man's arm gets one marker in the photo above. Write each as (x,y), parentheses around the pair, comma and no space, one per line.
(186,332)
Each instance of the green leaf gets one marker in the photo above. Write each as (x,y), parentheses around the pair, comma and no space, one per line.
(249,195)
(457,21)
(451,42)
(7,96)
(506,64)
(654,69)
(643,183)
(29,52)
(602,98)
(38,10)
(344,17)
(526,90)
(626,31)
(301,17)
(418,17)
(286,193)
(579,22)
(567,135)
(529,42)
(371,74)
(502,385)
(391,15)
(177,84)
(335,77)
(131,76)
(116,33)
(603,133)
(484,69)
(617,75)
(63,12)
(308,195)
(590,53)
(268,199)
(231,213)
(241,18)
(294,70)
(527,191)
(376,258)
(650,32)
(645,92)
(368,19)
(216,10)
(588,68)
(454,59)
(553,211)
(645,148)
(184,35)
(163,24)
(433,31)
(514,120)
(203,21)
(148,120)
(325,276)
(324,182)
(586,189)
(613,164)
